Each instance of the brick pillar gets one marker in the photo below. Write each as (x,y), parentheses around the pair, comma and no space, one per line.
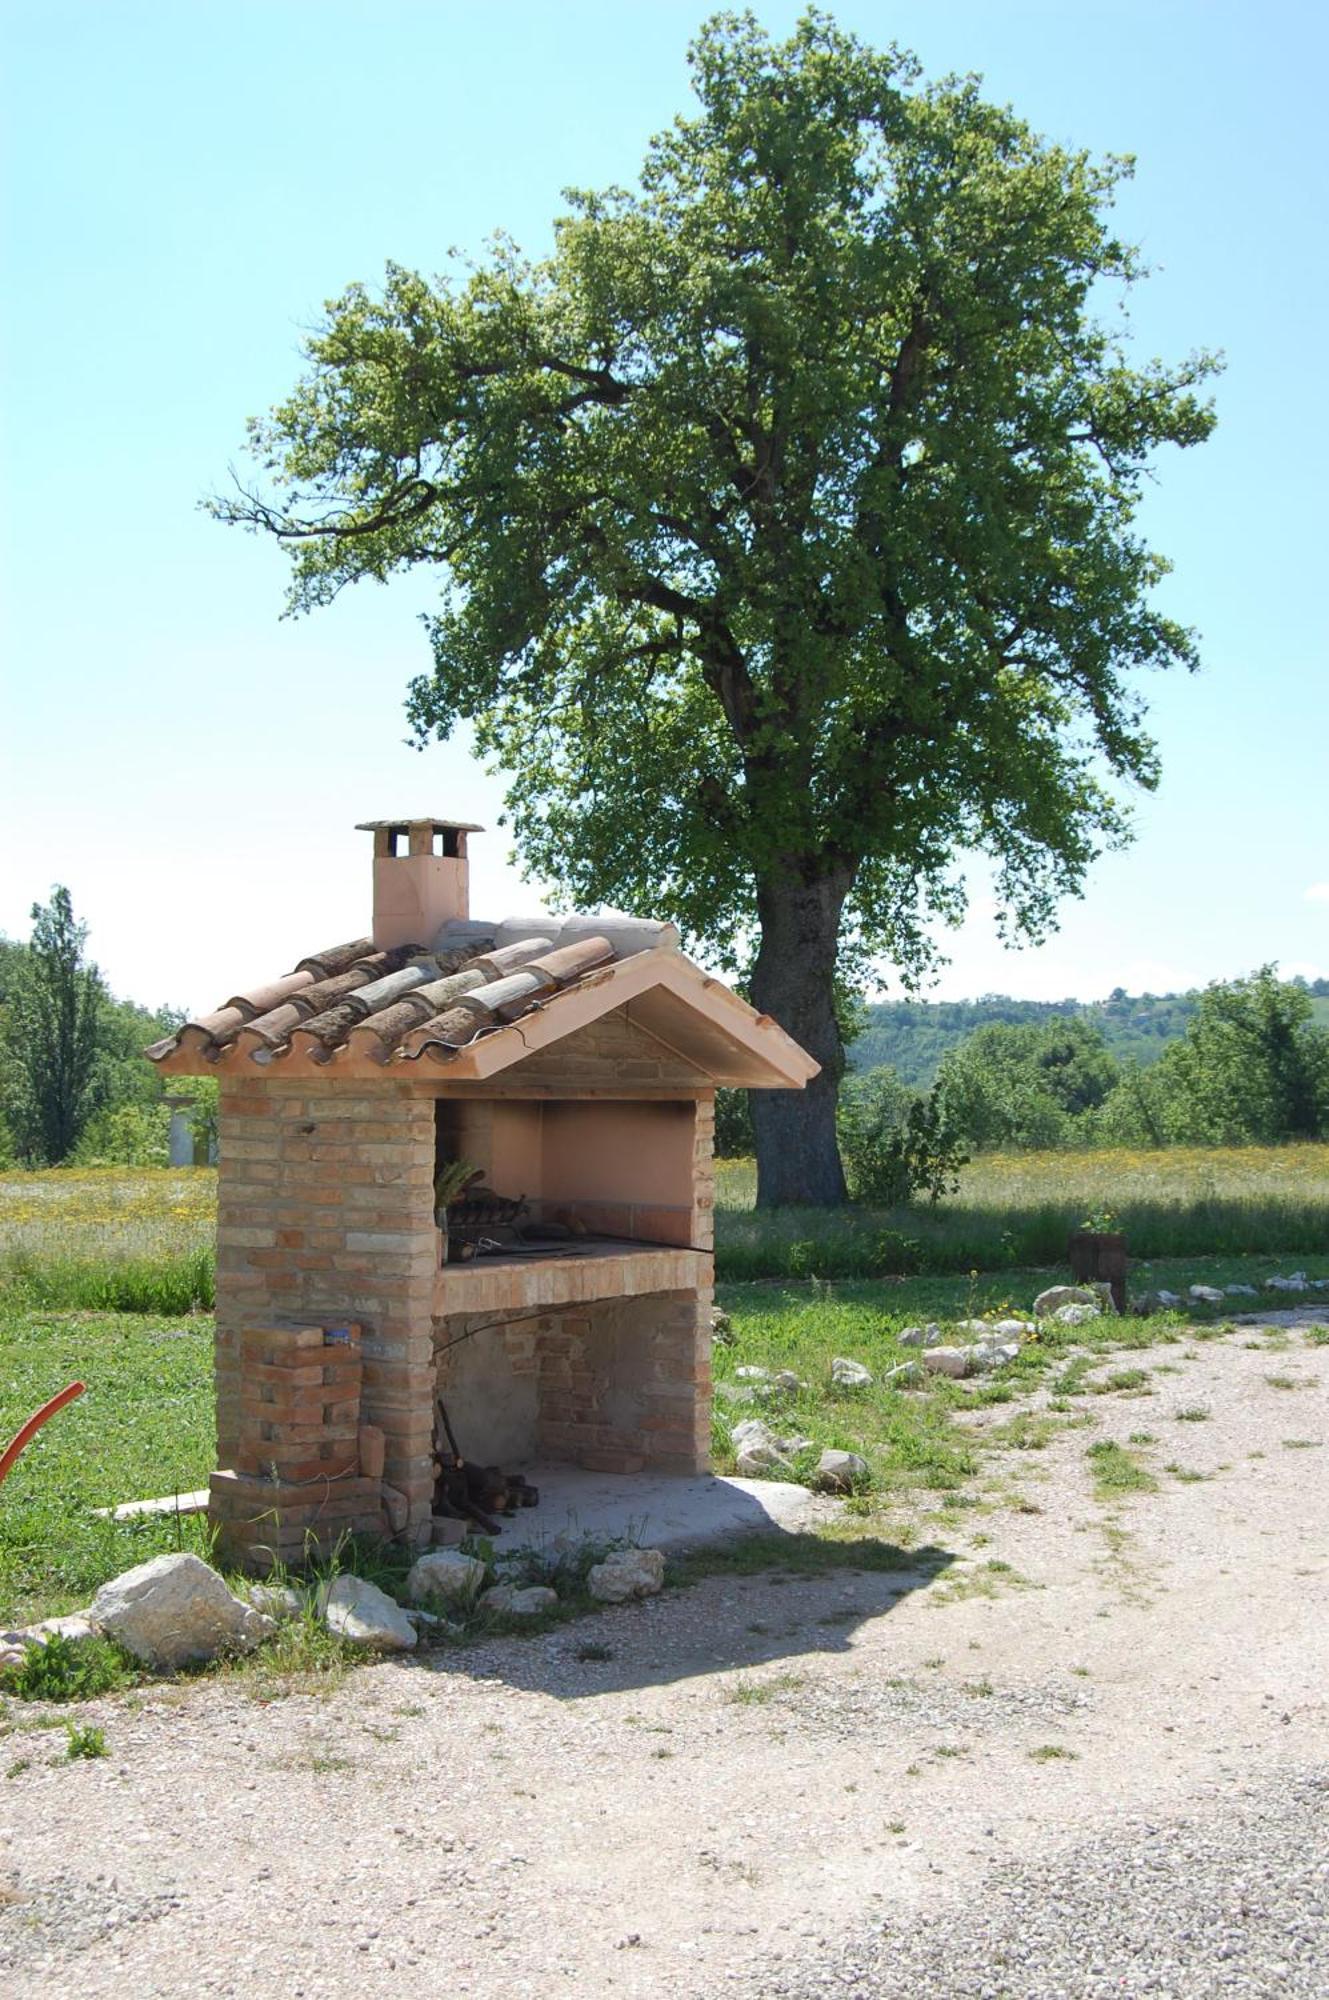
(326,1213)
(296,1486)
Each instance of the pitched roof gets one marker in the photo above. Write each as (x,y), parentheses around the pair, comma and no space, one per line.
(352,1009)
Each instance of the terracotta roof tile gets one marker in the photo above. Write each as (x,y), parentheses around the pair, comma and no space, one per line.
(262,998)
(338,958)
(388,1005)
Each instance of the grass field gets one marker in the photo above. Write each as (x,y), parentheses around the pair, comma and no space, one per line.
(143,1428)
(109,1238)
(115,1239)
(1014,1210)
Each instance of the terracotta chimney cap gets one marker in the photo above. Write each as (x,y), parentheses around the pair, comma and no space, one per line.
(421,878)
(417,819)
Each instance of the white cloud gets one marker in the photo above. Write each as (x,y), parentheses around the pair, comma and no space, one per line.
(1317,893)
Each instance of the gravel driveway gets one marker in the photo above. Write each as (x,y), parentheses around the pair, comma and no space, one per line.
(1087,1757)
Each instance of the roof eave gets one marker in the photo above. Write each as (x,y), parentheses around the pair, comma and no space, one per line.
(769,1059)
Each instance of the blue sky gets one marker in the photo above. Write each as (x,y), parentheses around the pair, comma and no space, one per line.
(185,183)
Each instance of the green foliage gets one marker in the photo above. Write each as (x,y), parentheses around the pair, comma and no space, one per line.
(126,1134)
(1254,1067)
(1117,1470)
(181,1283)
(85,1740)
(784,514)
(61,1669)
(896,1144)
(73,1082)
(55,1002)
(1244,1062)
(1016,1210)
(734,1138)
(145,1427)
(1025,1086)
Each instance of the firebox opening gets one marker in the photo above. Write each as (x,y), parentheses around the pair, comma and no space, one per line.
(612,1384)
(550,1172)
(571,1316)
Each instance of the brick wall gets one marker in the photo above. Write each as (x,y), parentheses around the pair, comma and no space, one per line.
(631,1378)
(325,1213)
(613,1051)
(617,1378)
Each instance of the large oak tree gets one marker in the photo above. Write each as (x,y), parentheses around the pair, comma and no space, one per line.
(784,518)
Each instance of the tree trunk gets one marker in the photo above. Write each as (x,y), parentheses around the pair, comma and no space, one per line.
(798,1160)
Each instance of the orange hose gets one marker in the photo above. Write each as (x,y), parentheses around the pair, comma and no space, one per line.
(34,1424)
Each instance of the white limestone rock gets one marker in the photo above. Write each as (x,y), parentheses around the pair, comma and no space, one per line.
(1240,1292)
(627,1573)
(753,1434)
(847,1374)
(841,1471)
(921,1336)
(174,1610)
(986,1355)
(997,1329)
(1294,1282)
(365,1615)
(757,1449)
(751,1373)
(1205,1295)
(754,1460)
(1056,1296)
(277,1600)
(952,1361)
(74,1625)
(444,1576)
(1145,1303)
(515,1602)
(1076,1315)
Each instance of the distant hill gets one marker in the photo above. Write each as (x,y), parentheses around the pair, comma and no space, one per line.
(912,1036)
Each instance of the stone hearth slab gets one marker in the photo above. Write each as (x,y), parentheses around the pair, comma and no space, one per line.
(659,1510)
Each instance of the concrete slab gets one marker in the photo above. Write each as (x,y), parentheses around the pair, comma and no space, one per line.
(658,1509)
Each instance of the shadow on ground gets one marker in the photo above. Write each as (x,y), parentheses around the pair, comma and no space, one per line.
(742,1607)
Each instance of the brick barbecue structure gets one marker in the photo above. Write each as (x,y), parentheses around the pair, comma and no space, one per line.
(573,1064)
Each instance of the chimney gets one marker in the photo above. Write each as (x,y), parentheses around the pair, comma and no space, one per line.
(421,878)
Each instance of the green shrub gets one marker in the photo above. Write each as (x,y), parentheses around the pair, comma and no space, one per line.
(896,1145)
(61,1669)
(85,1741)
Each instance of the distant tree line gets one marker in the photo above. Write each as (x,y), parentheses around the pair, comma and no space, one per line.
(74,1088)
(913,1036)
(1249,1066)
